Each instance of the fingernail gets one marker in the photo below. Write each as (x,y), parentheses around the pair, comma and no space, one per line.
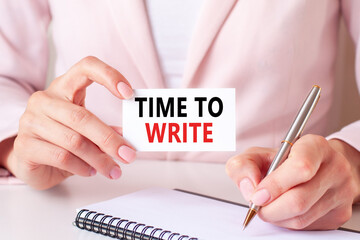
(127,153)
(125,90)
(246,188)
(260,197)
(115,173)
(92,171)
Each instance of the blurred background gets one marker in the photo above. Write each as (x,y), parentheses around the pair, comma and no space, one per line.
(346,107)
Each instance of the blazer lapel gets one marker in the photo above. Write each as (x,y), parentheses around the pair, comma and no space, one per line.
(132,23)
(212,17)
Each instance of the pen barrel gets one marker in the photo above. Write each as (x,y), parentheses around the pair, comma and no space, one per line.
(294,132)
(303,115)
(281,155)
(296,128)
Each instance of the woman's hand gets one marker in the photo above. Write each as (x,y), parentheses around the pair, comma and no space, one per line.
(59,137)
(313,189)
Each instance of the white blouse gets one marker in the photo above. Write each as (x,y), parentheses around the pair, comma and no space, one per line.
(172,24)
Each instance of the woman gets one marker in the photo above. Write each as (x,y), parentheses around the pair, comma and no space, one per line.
(271,52)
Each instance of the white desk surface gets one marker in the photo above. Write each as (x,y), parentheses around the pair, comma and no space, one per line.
(30,214)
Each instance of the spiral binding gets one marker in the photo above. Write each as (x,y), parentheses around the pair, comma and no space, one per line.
(97,224)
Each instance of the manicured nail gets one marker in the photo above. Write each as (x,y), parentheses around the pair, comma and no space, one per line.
(127,153)
(125,90)
(92,171)
(260,197)
(115,173)
(246,188)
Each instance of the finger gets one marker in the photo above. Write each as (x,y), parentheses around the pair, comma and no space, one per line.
(298,200)
(246,169)
(89,70)
(331,182)
(44,153)
(325,214)
(332,220)
(118,129)
(77,144)
(302,164)
(87,124)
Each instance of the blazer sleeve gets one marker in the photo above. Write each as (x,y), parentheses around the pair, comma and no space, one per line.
(24,57)
(23,62)
(351,12)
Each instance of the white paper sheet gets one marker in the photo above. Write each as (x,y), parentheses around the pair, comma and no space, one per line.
(184,120)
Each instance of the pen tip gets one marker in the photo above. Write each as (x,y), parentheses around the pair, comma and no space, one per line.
(250,215)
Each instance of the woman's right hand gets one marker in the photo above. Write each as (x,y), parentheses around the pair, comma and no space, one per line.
(59,137)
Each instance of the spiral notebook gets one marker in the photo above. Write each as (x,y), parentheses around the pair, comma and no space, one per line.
(157,213)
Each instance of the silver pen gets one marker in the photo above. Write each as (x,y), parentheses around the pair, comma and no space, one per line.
(293,134)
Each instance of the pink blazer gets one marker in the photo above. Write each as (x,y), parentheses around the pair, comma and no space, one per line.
(272,52)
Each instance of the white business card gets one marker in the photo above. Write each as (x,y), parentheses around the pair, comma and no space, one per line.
(181,119)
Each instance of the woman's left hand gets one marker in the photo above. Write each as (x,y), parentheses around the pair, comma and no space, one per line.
(314,188)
